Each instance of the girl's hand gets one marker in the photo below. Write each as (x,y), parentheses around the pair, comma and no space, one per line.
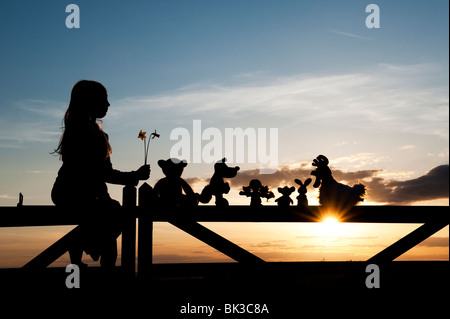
(143,173)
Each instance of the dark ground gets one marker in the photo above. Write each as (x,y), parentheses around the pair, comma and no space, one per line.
(286,290)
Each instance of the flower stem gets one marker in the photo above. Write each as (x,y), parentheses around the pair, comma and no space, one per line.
(145,154)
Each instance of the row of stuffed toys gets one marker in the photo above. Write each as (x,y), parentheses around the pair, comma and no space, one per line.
(173,190)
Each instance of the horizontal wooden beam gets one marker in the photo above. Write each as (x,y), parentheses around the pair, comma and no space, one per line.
(27,216)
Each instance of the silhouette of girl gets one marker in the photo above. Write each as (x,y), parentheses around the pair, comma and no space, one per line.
(80,186)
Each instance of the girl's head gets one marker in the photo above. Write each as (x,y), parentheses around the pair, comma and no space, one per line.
(88,101)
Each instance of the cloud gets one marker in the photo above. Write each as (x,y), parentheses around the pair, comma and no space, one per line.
(436,242)
(431,186)
(8,196)
(283,175)
(351,35)
(384,97)
(286,175)
(404,98)
(274,244)
(408,147)
(31,121)
(43,107)
(338,238)
(202,257)
(359,160)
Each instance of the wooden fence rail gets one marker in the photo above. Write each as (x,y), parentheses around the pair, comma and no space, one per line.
(42,215)
(433,218)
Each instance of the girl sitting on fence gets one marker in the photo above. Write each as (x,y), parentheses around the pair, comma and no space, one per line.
(80,186)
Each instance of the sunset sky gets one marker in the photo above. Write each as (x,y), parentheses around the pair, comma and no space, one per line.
(374,101)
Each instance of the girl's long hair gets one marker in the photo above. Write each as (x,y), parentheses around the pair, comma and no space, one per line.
(78,114)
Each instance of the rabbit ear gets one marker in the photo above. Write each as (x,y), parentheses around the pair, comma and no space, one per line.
(308,181)
(299,182)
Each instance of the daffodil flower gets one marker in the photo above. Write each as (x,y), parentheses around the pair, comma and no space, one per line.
(154,134)
(143,137)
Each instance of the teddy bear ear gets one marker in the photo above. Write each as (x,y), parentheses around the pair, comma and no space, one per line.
(161,163)
(176,161)
(183,163)
(292,189)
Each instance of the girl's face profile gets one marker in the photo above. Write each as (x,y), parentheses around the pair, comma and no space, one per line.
(100,105)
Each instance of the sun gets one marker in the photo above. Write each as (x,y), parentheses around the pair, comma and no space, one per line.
(330,226)
(329,220)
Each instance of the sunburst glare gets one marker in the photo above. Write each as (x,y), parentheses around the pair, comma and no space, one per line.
(330,226)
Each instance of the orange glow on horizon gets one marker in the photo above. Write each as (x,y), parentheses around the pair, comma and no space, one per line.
(330,220)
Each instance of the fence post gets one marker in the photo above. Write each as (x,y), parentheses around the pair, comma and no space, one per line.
(129,230)
(145,232)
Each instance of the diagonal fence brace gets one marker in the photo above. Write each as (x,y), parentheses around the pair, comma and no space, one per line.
(216,241)
(406,243)
(53,252)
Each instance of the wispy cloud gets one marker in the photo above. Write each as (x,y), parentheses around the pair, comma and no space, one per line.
(16,135)
(40,122)
(361,160)
(7,196)
(43,107)
(384,97)
(408,147)
(351,35)
(436,242)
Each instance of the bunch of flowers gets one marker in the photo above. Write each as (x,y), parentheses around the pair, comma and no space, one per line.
(143,137)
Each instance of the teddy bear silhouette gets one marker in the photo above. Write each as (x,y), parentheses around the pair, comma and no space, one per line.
(256,191)
(217,186)
(285,200)
(169,190)
(302,200)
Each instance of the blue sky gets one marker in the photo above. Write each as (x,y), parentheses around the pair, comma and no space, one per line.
(370,99)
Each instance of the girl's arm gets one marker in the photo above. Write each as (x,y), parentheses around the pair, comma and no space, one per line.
(114,176)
